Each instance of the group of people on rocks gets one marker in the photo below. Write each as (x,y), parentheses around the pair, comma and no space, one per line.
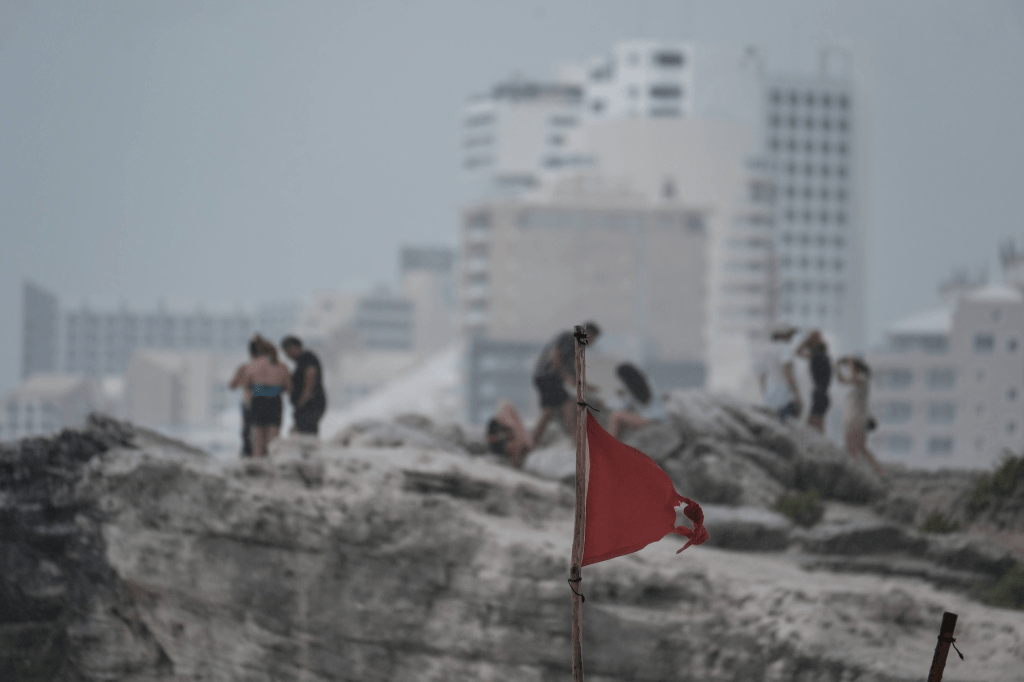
(641,405)
(264,380)
(775,373)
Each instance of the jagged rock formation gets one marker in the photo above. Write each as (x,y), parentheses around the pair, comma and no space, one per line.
(128,557)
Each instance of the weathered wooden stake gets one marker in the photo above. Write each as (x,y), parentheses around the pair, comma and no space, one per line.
(942,647)
(575,569)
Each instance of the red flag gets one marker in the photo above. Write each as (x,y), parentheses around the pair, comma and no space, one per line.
(630,501)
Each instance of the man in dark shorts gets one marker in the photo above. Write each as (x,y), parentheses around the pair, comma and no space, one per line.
(309,402)
(815,350)
(555,366)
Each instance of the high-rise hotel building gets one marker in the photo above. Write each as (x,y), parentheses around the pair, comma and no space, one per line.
(769,162)
(814,126)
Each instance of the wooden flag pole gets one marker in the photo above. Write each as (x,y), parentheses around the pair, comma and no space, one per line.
(942,647)
(575,569)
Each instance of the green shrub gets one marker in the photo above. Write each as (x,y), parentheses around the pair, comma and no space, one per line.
(981,494)
(1000,483)
(1005,478)
(938,523)
(1009,591)
(803,508)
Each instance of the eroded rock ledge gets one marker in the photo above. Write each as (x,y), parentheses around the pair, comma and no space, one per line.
(129,557)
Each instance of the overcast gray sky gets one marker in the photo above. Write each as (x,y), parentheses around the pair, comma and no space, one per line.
(229,151)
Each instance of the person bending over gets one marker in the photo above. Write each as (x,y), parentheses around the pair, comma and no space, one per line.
(556,366)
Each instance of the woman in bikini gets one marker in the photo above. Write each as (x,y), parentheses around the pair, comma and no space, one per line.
(266,379)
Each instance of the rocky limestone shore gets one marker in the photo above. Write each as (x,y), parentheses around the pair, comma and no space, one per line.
(126,556)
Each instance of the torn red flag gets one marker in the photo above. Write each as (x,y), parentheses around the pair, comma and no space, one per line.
(630,501)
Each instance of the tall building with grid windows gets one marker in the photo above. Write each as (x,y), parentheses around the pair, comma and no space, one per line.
(814,126)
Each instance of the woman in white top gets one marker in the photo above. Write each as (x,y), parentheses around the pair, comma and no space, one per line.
(643,404)
(855,373)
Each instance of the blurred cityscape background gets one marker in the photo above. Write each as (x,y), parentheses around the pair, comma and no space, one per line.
(854,168)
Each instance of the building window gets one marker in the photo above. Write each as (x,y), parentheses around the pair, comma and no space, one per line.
(894,378)
(1011,395)
(984,343)
(1011,427)
(479,120)
(940,445)
(666,91)
(670,59)
(897,442)
(941,378)
(941,413)
(895,412)
(597,106)
(1011,345)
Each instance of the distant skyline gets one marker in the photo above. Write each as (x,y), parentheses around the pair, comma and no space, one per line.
(227,153)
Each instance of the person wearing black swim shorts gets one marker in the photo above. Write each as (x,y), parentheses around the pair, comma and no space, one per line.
(556,365)
(267,379)
(815,350)
(309,402)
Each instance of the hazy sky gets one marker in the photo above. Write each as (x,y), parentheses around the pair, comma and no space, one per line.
(231,151)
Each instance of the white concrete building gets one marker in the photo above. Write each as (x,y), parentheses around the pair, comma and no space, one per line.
(948,390)
(44,404)
(363,372)
(176,389)
(516,131)
(640,78)
(816,134)
(40,318)
(100,342)
(429,280)
(768,159)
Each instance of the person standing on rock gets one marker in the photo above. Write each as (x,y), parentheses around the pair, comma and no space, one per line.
(775,374)
(855,373)
(555,366)
(309,402)
(236,382)
(815,350)
(265,379)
